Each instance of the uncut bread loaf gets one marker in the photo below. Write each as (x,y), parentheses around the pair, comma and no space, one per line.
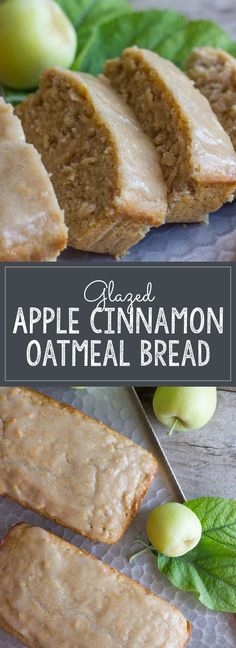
(214,74)
(71,468)
(197,156)
(31,223)
(105,171)
(52,594)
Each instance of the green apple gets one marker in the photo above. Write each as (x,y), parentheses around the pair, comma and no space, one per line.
(34,35)
(173,529)
(184,408)
(79,387)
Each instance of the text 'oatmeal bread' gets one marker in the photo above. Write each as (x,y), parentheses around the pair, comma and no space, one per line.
(214,74)
(70,467)
(105,170)
(31,223)
(52,594)
(197,156)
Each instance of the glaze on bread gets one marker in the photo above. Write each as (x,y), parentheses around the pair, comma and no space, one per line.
(31,223)
(52,594)
(65,465)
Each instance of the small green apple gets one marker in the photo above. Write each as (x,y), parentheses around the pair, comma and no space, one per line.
(184,408)
(34,35)
(79,387)
(173,529)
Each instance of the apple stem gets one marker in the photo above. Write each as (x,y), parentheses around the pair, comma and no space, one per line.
(173,428)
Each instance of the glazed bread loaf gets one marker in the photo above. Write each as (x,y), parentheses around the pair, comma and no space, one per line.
(52,594)
(67,466)
(214,74)
(105,171)
(31,223)
(197,156)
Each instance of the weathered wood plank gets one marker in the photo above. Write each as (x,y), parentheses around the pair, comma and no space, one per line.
(204,461)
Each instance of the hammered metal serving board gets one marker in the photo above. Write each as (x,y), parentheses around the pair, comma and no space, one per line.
(116,407)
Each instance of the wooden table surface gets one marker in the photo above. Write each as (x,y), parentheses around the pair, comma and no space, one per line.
(204,461)
(221,11)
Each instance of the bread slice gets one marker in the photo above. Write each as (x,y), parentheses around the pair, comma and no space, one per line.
(214,74)
(59,462)
(53,594)
(31,223)
(197,156)
(104,169)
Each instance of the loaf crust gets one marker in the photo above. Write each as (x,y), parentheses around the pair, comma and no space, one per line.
(69,467)
(105,171)
(64,596)
(197,157)
(31,223)
(214,74)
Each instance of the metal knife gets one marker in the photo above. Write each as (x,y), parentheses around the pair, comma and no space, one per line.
(164,464)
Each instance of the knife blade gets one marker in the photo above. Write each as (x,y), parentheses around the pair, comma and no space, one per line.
(164,464)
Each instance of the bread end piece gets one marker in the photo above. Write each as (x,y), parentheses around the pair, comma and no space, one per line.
(31,222)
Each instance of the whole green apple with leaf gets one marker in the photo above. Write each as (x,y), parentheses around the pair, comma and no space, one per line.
(194,545)
(83,34)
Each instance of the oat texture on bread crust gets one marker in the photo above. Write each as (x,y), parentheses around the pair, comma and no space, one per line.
(69,467)
(31,222)
(214,74)
(197,156)
(54,594)
(104,169)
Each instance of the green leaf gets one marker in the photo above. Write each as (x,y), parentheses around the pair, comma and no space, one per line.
(218,519)
(105,27)
(76,10)
(209,570)
(100,12)
(91,13)
(12,96)
(196,33)
(146,29)
(166,32)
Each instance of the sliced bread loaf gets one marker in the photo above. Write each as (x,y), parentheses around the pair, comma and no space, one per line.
(197,156)
(104,169)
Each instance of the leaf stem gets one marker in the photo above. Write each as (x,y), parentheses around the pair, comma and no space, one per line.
(139,553)
(147,547)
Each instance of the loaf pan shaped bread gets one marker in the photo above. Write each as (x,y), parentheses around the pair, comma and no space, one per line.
(31,223)
(52,594)
(197,156)
(214,74)
(71,468)
(104,169)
